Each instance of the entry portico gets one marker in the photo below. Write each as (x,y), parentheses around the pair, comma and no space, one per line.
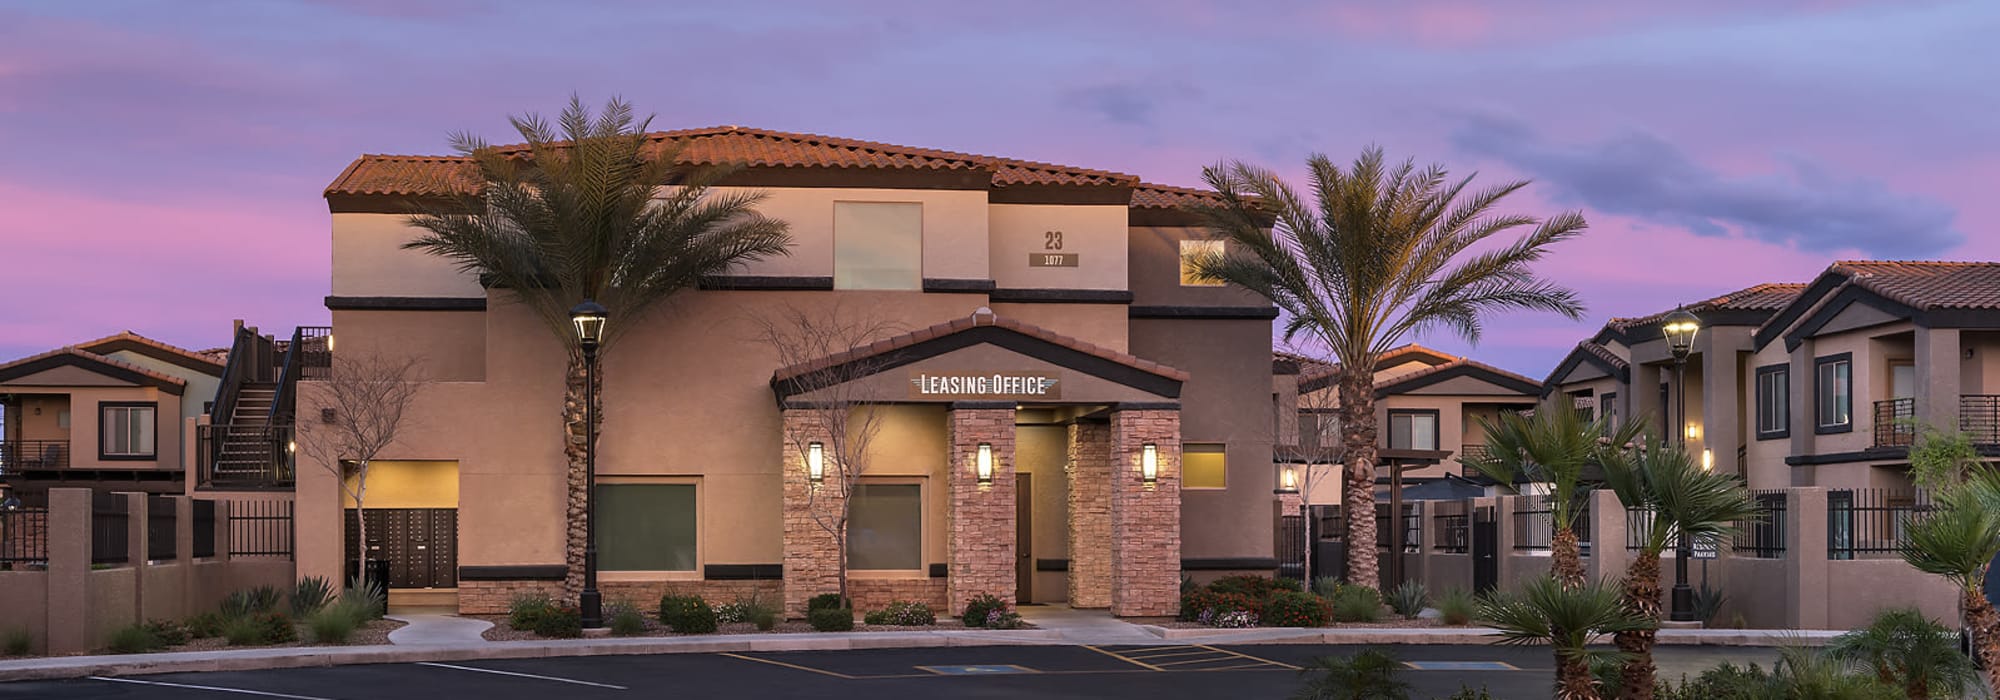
(1119,453)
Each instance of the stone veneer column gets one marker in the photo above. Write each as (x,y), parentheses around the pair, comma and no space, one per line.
(1089,515)
(980,520)
(812,560)
(1145,518)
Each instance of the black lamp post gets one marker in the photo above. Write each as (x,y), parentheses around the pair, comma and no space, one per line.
(1680,328)
(589,318)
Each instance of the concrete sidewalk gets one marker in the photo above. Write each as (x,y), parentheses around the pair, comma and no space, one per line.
(437,628)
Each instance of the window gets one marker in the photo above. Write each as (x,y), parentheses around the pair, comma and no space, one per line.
(1191,253)
(885,527)
(1902,380)
(1607,406)
(1834,392)
(1204,466)
(1774,402)
(126,430)
(1413,430)
(646,527)
(878,245)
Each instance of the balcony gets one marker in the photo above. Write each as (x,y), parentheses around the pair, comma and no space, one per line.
(244,456)
(1895,422)
(18,456)
(1978,418)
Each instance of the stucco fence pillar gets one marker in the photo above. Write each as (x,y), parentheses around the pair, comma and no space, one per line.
(1145,517)
(812,557)
(980,521)
(1089,496)
(1609,557)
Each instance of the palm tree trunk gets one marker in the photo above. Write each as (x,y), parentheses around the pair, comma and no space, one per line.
(1642,598)
(575,435)
(1984,624)
(1357,496)
(1566,558)
(1573,679)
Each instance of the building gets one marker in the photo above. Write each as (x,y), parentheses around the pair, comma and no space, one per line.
(1043,316)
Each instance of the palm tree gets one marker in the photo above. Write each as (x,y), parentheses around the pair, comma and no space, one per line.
(1906,650)
(1960,537)
(1381,253)
(579,212)
(1369,674)
(1683,500)
(1566,618)
(1555,445)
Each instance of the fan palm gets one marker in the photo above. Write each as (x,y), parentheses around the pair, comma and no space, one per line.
(1566,618)
(1382,252)
(1555,445)
(579,212)
(1909,651)
(1960,537)
(1682,499)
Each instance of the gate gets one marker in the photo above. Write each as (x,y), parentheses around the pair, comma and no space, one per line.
(420,544)
(1485,550)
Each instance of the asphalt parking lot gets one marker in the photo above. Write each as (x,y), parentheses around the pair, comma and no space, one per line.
(1158,671)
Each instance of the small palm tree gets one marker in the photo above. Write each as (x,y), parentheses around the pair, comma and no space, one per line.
(1683,500)
(1382,252)
(1566,618)
(1909,651)
(582,211)
(1558,446)
(1369,674)
(1960,537)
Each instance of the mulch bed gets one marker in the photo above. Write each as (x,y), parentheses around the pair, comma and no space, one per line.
(376,632)
(1396,623)
(500,632)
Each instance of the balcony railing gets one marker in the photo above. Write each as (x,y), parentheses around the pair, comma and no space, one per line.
(1473,453)
(1979,418)
(1895,424)
(245,456)
(18,456)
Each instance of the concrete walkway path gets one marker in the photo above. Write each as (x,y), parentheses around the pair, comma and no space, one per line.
(436,628)
(1085,626)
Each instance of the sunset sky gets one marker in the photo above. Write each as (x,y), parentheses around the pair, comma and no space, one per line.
(164,160)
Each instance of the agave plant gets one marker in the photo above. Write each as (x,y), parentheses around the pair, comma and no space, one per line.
(1547,612)
(1369,674)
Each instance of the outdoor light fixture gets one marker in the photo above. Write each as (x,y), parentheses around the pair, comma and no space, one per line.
(1680,328)
(1707,460)
(1149,463)
(1288,479)
(589,319)
(816,463)
(1693,432)
(983,465)
(292,446)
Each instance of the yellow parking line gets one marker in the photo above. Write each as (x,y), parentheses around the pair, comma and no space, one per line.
(1124,658)
(1170,654)
(772,662)
(1245,667)
(1252,658)
(1206,660)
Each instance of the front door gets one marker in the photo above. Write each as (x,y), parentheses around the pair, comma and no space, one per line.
(1485,550)
(1024,538)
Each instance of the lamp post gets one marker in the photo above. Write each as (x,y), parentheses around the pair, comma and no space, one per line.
(589,318)
(1680,328)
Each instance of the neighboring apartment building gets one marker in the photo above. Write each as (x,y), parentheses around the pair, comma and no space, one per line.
(1135,456)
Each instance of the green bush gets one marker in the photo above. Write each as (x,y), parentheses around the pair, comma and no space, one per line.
(765,619)
(1356,604)
(1370,674)
(1456,606)
(528,609)
(1257,587)
(680,610)
(1465,692)
(260,629)
(334,624)
(903,613)
(826,601)
(248,602)
(1287,583)
(309,595)
(628,622)
(1205,605)
(367,596)
(831,619)
(133,639)
(168,632)
(18,642)
(1294,609)
(980,608)
(205,625)
(560,622)
(1004,619)
(1326,586)
(1409,599)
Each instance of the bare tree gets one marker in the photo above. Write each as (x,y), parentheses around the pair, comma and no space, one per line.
(356,413)
(1313,454)
(838,411)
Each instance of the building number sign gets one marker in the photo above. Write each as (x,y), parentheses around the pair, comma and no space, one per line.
(1052,255)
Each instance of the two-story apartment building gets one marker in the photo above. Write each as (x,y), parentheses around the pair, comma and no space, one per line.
(1069,416)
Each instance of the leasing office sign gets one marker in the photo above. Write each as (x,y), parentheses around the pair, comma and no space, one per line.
(1007,386)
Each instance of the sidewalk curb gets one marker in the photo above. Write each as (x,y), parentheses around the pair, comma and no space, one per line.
(1472,635)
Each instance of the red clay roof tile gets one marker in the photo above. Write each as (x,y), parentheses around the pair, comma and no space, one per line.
(962,324)
(1928,284)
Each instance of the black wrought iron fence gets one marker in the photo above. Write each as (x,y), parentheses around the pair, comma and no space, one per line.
(1534,523)
(1871,522)
(1413,528)
(1895,422)
(1639,523)
(162,528)
(1763,537)
(1292,546)
(1451,527)
(24,537)
(110,540)
(260,528)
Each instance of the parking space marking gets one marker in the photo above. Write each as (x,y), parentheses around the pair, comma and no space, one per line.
(792,666)
(1461,666)
(218,689)
(1241,655)
(977,669)
(498,672)
(1124,658)
(1169,655)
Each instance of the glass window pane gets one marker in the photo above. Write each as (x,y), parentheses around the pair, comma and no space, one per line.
(1193,251)
(114,431)
(142,431)
(646,527)
(1842,386)
(1424,432)
(878,245)
(1781,401)
(1204,466)
(885,528)
(1399,430)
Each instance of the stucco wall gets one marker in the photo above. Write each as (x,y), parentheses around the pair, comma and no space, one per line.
(1095,234)
(1227,400)
(369,260)
(24,605)
(450,346)
(1156,273)
(954,228)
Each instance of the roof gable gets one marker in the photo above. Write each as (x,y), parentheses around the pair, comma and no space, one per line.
(1588,354)
(1929,293)
(43,369)
(1449,378)
(127,341)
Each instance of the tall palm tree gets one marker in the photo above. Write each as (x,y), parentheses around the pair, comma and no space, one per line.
(583,211)
(1381,253)
(1554,445)
(1960,537)
(1566,618)
(1683,500)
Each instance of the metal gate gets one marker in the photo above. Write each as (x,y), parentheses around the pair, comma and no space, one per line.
(1485,550)
(420,544)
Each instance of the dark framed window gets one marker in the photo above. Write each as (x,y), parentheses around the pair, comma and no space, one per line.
(1833,393)
(646,527)
(1413,429)
(127,430)
(1774,401)
(886,527)
(1607,406)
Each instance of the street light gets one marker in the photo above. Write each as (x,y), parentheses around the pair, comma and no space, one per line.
(589,318)
(1680,328)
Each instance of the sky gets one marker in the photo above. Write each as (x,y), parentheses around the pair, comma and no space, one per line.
(164,161)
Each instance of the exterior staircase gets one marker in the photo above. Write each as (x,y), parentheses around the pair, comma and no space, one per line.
(246,445)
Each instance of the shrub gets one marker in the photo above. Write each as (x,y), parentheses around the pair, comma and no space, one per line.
(764,618)
(903,613)
(980,607)
(168,632)
(133,639)
(560,622)
(1197,603)
(694,617)
(1356,604)
(18,642)
(1003,619)
(1230,620)
(1287,583)
(1465,692)
(251,601)
(1370,674)
(1708,604)
(369,597)
(1295,609)
(1257,587)
(831,619)
(309,595)
(826,601)
(1326,586)
(528,609)
(626,621)
(1904,648)
(1455,606)
(334,624)
(733,611)
(205,625)
(260,628)
(1409,599)
(676,610)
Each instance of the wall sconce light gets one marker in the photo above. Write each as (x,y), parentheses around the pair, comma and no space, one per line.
(292,446)
(816,463)
(982,465)
(1149,464)
(1288,479)
(1707,460)
(1693,432)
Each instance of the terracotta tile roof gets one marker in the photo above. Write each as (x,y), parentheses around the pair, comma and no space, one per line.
(1306,365)
(1389,358)
(734,145)
(1462,362)
(976,320)
(1928,284)
(1151,196)
(1763,297)
(98,345)
(1602,353)
(94,357)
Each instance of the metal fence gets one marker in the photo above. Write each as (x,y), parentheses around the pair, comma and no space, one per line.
(1413,528)
(1871,522)
(1534,523)
(1763,537)
(162,520)
(1292,546)
(110,541)
(1639,523)
(24,537)
(204,528)
(1451,527)
(260,528)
